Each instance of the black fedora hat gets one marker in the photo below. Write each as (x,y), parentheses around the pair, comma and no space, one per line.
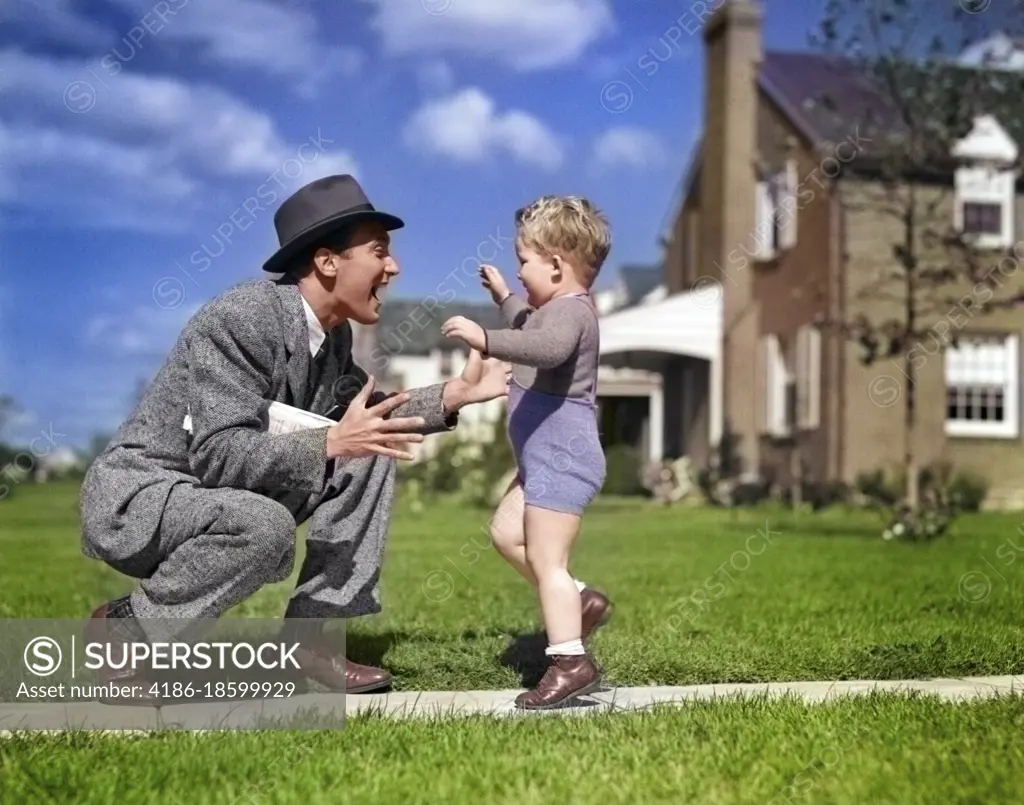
(317,209)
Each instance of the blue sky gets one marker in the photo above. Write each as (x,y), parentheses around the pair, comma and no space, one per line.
(132,132)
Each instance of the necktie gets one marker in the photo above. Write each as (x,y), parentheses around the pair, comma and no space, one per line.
(316,368)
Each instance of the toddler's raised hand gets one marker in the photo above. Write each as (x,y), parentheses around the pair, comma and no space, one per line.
(492,280)
(466,331)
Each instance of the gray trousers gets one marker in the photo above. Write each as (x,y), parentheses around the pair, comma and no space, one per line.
(217,547)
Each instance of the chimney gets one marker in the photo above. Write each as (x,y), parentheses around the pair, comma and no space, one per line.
(728,187)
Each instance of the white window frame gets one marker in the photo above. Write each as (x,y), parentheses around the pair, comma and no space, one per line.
(787,183)
(986,176)
(987,184)
(1009,428)
(766,222)
(775,229)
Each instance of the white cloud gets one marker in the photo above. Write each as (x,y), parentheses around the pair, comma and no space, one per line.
(54,20)
(146,149)
(630,147)
(525,34)
(141,332)
(47,170)
(467,127)
(435,77)
(228,32)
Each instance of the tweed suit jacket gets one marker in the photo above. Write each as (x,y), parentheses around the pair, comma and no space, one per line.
(244,349)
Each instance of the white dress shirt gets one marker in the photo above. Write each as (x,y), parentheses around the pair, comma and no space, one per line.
(316,329)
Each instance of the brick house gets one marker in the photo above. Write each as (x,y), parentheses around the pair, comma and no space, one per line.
(770,235)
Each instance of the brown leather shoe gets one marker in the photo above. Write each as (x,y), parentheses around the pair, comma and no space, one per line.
(320,663)
(596,610)
(138,687)
(566,678)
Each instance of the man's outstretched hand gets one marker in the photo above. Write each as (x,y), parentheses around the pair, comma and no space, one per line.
(474,368)
(365,432)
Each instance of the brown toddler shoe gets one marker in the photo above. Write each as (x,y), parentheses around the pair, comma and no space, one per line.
(568,677)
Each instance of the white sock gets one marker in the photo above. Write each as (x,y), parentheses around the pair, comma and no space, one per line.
(569,647)
(579,585)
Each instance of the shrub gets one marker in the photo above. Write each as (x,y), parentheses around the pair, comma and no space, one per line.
(468,470)
(819,495)
(943,494)
(724,483)
(966,490)
(930,520)
(878,489)
(440,473)
(624,473)
(496,455)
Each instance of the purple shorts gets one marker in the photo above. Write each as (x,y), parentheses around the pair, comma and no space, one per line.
(557,449)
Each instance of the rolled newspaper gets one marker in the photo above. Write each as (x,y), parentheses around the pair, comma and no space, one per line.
(283,419)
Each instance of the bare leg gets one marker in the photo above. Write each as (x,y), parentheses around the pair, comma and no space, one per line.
(508,533)
(549,539)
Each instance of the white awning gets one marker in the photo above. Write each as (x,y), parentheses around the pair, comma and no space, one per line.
(682,324)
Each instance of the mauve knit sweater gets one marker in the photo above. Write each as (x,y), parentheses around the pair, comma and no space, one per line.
(553,349)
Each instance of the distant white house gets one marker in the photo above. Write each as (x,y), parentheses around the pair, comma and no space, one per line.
(1000,51)
(55,464)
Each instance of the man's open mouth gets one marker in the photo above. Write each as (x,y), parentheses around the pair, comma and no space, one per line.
(378,291)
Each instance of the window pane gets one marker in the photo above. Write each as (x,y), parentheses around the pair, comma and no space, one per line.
(983,219)
(978,374)
(975,403)
(951,404)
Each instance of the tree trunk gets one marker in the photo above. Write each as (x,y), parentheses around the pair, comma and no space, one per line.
(910,401)
(796,475)
(909,429)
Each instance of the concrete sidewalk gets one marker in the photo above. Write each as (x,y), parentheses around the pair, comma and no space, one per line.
(499,702)
(412,704)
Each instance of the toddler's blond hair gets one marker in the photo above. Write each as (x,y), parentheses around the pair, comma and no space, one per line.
(569,226)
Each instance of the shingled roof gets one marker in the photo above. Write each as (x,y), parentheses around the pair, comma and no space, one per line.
(410,327)
(638,281)
(827,97)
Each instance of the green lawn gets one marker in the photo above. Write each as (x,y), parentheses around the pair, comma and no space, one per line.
(701,596)
(883,749)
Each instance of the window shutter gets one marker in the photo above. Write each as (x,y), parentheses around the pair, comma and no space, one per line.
(774,368)
(814,392)
(803,378)
(787,213)
(778,388)
(765,221)
(808,378)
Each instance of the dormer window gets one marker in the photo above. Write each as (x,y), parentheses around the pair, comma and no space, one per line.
(985,206)
(985,181)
